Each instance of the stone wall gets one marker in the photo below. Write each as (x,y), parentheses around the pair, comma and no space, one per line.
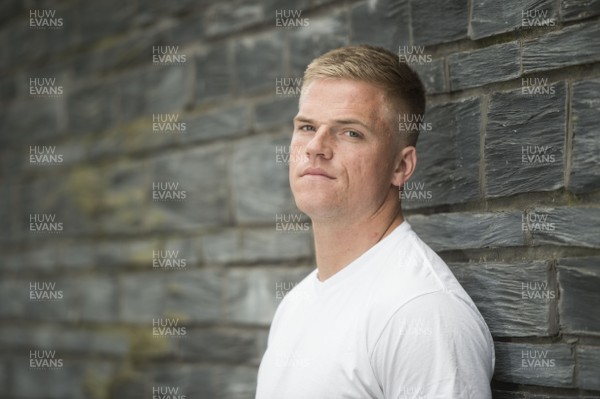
(148,231)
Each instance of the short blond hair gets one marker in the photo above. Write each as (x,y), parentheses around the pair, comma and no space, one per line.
(377,66)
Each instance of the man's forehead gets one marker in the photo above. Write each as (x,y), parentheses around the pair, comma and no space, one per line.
(340,99)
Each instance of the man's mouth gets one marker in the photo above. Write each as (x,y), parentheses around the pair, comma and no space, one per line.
(316,172)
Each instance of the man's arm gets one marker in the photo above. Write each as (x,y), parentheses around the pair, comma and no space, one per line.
(435,346)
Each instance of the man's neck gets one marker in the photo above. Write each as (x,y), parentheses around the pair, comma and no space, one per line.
(337,245)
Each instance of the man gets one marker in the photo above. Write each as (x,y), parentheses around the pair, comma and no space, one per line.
(382,316)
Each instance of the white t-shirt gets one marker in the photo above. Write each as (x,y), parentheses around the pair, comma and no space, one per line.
(394,323)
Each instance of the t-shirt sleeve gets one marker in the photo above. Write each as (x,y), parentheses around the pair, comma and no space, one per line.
(435,346)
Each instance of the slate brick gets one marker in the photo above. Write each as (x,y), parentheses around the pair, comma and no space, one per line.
(448,156)
(451,231)
(260,195)
(391,19)
(501,62)
(524,142)
(589,367)
(434,22)
(578,279)
(585,163)
(578,9)
(252,245)
(219,124)
(573,226)
(534,364)
(252,296)
(432,75)
(323,34)
(198,174)
(259,61)
(515,299)
(573,45)
(213,74)
(494,17)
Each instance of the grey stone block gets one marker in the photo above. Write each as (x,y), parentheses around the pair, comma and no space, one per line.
(220,346)
(60,40)
(448,157)
(97,298)
(450,231)
(579,297)
(549,365)
(35,118)
(228,17)
(91,109)
(65,341)
(214,74)
(10,9)
(123,197)
(524,144)
(259,61)
(66,382)
(186,250)
(239,383)
(219,124)
(585,108)
(498,394)
(252,296)
(200,173)
(578,9)
(494,17)
(4,376)
(42,258)
(8,90)
(222,247)
(488,65)
(589,367)
(112,254)
(432,75)
(193,381)
(166,88)
(13,298)
(190,27)
(252,245)
(573,45)
(514,299)
(323,34)
(131,52)
(93,17)
(154,11)
(573,226)
(30,44)
(64,307)
(194,296)
(434,22)
(131,96)
(278,112)
(274,244)
(391,19)
(260,195)
(147,296)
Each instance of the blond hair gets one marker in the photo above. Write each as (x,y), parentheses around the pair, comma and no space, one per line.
(377,66)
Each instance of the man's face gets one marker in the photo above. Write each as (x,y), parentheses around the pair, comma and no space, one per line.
(343,150)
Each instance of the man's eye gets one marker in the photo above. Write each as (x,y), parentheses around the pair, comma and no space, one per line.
(307,128)
(352,133)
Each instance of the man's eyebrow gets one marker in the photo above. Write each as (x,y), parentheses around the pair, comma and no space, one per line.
(301,118)
(351,122)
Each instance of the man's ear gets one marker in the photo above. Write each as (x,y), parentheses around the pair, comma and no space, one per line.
(404,165)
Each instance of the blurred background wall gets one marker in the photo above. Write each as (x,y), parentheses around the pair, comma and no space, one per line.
(148,231)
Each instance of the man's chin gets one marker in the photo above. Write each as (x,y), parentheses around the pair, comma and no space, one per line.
(317,209)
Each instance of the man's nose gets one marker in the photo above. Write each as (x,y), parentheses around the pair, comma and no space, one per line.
(320,145)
